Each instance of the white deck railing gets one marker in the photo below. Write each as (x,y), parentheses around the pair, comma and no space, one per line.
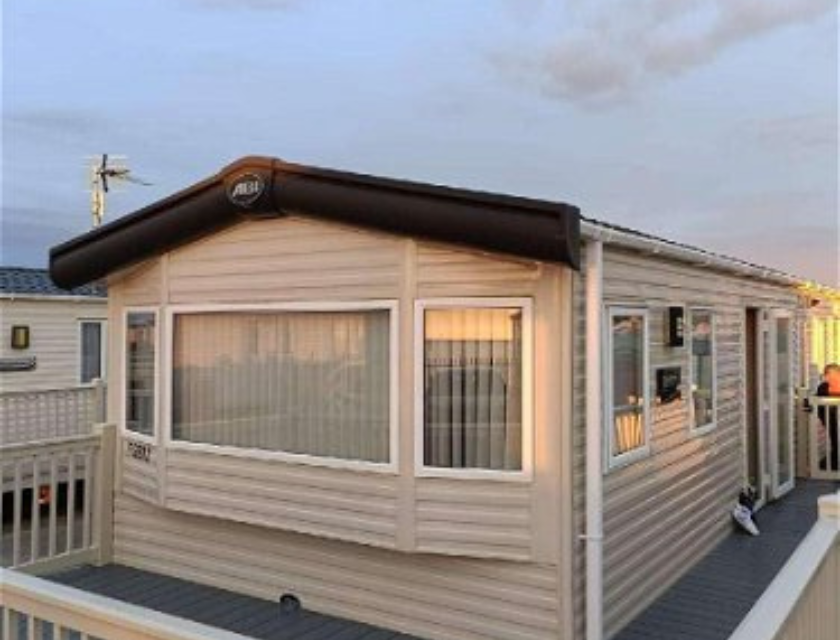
(35,608)
(802,602)
(823,438)
(32,416)
(57,501)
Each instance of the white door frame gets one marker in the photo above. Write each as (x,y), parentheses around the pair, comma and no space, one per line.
(777,488)
(763,480)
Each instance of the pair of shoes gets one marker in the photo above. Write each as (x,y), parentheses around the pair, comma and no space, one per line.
(743,516)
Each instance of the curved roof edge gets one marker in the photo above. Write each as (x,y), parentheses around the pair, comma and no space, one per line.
(259,187)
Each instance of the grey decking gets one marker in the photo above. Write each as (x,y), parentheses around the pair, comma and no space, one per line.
(248,616)
(710,601)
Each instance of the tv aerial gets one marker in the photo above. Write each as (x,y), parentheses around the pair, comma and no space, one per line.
(103,172)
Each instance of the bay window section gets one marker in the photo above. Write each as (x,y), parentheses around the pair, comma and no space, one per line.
(628,397)
(140,371)
(314,383)
(702,370)
(473,386)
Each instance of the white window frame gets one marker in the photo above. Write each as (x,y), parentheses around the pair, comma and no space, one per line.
(706,428)
(123,378)
(103,349)
(527,306)
(392,306)
(629,457)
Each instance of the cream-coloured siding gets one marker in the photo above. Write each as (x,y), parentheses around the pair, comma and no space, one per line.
(663,512)
(54,340)
(432,596)
(442,557)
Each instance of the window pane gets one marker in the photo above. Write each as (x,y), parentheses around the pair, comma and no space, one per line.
(628,383)
(313,383)
(473,388)
(702,368)
(91,351)
(140,373)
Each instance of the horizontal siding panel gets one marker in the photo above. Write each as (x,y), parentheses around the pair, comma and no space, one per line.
(334,503)
(442,272)
(54,341)
(436,597)
(488,519)
(287,259)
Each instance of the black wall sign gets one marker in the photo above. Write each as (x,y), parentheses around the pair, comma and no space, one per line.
(676,326)
(668,380)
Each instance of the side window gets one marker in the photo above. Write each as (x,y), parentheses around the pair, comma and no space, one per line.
(140,371)
(702,347)
(91,350)
(627,374)
(472,370)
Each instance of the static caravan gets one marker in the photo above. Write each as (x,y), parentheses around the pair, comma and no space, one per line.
(52,349)
(459,415)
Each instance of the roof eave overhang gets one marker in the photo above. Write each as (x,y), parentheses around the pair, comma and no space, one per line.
(521,227)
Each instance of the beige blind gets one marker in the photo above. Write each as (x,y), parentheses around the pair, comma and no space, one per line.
(313,383)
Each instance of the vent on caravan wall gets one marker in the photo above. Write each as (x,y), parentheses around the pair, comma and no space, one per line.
(8,365)
(289,603)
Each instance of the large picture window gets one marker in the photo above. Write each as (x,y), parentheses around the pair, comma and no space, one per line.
(315,383)
(140,371)
(702,370)
(628,398)
(474,404)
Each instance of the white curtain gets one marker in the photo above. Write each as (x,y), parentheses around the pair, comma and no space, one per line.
(312,383)
(473,388)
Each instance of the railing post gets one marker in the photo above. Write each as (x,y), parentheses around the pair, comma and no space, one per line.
(829,508)
(104,513)
(99,401)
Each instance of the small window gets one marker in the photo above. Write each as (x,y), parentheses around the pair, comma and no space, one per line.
(91,350)
(288,381)
(475,404)
(702,370)
(628,397)
(140,371)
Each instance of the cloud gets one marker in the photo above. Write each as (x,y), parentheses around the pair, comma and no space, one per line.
(51,120)
(607,53)
(816,131)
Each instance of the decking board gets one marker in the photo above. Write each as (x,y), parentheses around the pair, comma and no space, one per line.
(710,601)
(215,607)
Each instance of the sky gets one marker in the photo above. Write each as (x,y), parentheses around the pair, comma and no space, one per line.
(711,122)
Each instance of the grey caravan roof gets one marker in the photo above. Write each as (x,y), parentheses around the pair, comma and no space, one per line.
(25,281)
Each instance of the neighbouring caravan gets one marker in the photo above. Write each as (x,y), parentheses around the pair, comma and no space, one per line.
(459,415)
(52,350)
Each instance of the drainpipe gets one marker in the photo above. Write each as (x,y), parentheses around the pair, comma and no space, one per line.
(594,447)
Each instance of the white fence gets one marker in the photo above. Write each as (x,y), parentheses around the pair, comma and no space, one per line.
(30,416)
(802,602)
(823,438)
(56,505)
(34,608)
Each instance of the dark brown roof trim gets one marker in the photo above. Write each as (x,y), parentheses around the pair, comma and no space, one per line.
(523,227)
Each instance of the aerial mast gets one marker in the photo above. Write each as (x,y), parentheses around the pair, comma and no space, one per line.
(102,171)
